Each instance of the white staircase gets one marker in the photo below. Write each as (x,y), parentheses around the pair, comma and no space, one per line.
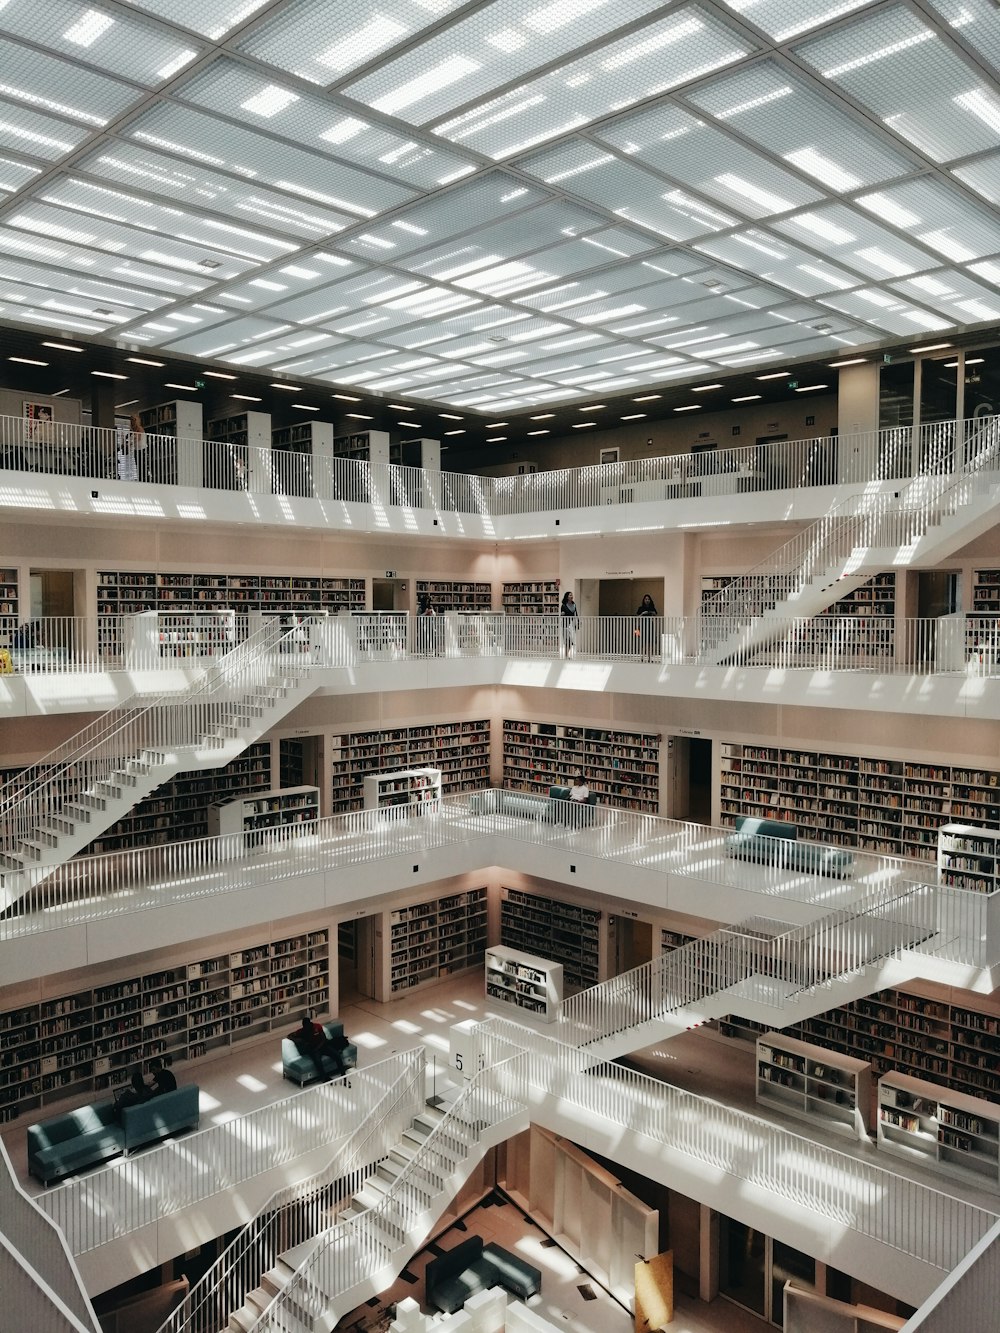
(920,524)
(762,969)
(53,810)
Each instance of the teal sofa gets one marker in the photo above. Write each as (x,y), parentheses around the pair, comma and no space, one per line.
(472,1267)
(774,842)
(74,1141)
(556,808)
(303,1069)
(167,1113)
(564,810)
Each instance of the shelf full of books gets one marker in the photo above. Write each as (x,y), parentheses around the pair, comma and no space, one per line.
(436,938)
(565,932)
(622,767)
(460,750)
(525,981)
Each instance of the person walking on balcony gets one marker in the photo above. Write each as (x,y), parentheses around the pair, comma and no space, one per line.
(646,630)
(569,623)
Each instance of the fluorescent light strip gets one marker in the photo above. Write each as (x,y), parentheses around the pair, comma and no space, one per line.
(538,432)
(27,361)
(495,439)
(306,408)
(108,375)
(64,347)
(346,397)
(358,416)
(397,407)
(854,361)
(140,361)
(775,375)
(190,388)
(691,407)
(131,403)
(450,416)
(933,347)
(634,416)
(704,388)
(747,398)
(246,397)
(455,432)
(286,388)
(58,393)
(219,375)
(647,398)
(811,388)
(495,425)
(582,425)
(411,425)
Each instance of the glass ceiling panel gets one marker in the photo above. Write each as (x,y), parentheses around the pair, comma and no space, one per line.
(32,78)
(316,123)
(975,23)
(324,40)
(38,136)
(14,175)
(778,261)
(312,178)
(109,39)
(663,55)
(852,237)
(901,69)
(769,104)
(709,160)
(489,48)
(210,18)
(194,185)
(939,216)
(781,19)
(954,294)
(983,176)
(887,311)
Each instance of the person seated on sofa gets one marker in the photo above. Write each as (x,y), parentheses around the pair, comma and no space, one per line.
(163,1079)
(579,790)
(311,1040)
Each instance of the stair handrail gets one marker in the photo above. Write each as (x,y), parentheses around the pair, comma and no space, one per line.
(863,520)
(175,719)
(267,1233)
(355,1243)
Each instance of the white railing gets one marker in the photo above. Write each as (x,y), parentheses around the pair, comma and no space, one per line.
(142,734)
(65,449)
(936,1228)
(94,888)
(134,1191)
(968,1300)
(298,1213)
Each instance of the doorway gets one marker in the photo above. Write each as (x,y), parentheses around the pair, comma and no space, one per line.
(357,943)
(632,943)
(621,597)
(753,1269)
(389,595)
(689,779)
(53,592)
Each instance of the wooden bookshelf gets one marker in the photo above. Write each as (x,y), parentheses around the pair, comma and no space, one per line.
(88,1041)
(945,1131)
(568,933)
(829,1090)
(525,981)
(623,767)
(459,750)
(434,939)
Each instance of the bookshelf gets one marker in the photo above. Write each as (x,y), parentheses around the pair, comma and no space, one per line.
(531,598)
(889,806)
(126,592)
(280,811)
(173,456)
(367,446)
(293,451)
(10,602)
(206,634)
(87,1041)
(623,767)
(525,981)
(459,750)
(418,789)
(968,857)
(569,934)
(449,595)
(830,1090)
(234,451)
(943,1130)
(435,938)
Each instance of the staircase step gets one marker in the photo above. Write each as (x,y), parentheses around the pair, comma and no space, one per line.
(79,813)
(57,827)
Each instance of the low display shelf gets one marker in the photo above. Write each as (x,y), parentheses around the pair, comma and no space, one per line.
(968,857)
(827,1089)
(524,980)
(943,1130)
(417,788)
(264,810)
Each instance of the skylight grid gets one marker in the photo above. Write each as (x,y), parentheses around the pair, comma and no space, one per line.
(111,42)
(778,111)
(490,47)
(782,19)
(886,311)
(210,18)
(686,44)
(852,237)
(38,136)
(710,161)
(901,70)
(307,178)
(34,78)
(939,216)
(982,176)
(953,294)
(975,22)
(324,41)
(779,262)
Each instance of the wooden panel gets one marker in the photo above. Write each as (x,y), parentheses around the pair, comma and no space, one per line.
(654,1293)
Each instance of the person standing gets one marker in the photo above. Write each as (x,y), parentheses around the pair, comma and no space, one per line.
(570,622)
(426,628)
(646,631)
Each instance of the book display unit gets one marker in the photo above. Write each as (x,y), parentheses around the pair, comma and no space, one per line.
(622,767)
(366,446)
(9,600)
(293,449)
(940,1129)
(121,592)
(436,938)
(448,595)
(459,750)
(814,1084)
(88,1041)
(419,789)
(235,449)
(167,423)
(568,933)
(968,857)
(280,811)
(531,599)
(888,806)
(525,981)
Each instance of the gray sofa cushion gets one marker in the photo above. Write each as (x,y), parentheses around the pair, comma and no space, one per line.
(70,1142)
(472,1267)
(162,1115)
(777,843)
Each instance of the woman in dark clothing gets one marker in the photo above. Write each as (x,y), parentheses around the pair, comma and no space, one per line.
(570,622)
(647,613)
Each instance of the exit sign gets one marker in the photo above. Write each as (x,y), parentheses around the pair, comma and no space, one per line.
(793,384)
(199,384)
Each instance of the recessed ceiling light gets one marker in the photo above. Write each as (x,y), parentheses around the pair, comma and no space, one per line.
(188,388)
(647,397)
(245,397)
(691,407)
(635,416)
(346,397)
(131,403)
(774,375)
(594,407)
(932,347)
(811,388)
(455,432)
(495,439)
(219,375)
(450,416)
(358,416)
(704,388)
(544,416)
(398,407)
(306,408)
(108,375)
(141,361)
(64,347)
(854,361)
(27,361)
(538,432)
(581,425)
(747,398)
(288,388)
(495,425)
(411,425)
(210,263)
(58,393)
